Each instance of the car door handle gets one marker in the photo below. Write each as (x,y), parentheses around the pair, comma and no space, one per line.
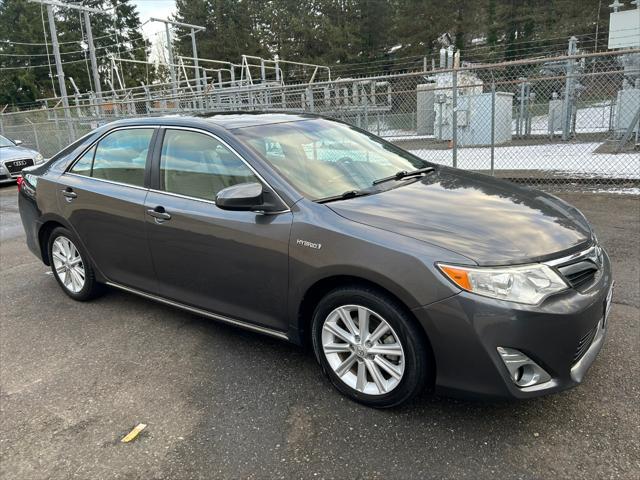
(159,214)
(69,193)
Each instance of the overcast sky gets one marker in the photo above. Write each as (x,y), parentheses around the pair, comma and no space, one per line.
(157,9)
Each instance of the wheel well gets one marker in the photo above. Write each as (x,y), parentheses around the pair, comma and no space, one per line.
(319,289)
(43,238)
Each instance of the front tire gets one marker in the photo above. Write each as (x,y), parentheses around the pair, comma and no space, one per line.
(370,347)
(70,267)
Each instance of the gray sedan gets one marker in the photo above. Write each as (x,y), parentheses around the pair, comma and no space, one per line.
(14,157)
(399,273)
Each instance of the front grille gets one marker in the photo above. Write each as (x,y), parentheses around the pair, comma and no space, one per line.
(580,269)
(579,273)
(584,344)
(16,166)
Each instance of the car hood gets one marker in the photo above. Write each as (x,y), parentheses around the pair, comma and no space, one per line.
(15,153)
(489,221)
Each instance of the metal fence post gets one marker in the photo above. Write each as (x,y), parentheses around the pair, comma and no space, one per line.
(568,91)
(35,136)
(589,108)
(310,100)
(493,126)
(454,117)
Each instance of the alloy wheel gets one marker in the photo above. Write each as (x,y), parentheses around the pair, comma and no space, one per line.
(363,349)
(68,264)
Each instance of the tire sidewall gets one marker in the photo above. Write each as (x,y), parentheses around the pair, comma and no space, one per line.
(414,377)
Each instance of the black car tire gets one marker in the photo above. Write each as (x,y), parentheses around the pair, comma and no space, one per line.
(91,287)
(418,364)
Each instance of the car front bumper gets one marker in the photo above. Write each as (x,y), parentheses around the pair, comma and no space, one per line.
(563,335)
(5,177)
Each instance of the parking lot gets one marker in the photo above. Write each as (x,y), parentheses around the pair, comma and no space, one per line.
(220,402)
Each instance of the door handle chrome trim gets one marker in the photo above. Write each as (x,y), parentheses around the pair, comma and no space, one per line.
(158,215)
(70,194)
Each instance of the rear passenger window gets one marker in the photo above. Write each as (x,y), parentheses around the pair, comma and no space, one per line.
(84,163)
(198,165)
(119,157)
(122,156)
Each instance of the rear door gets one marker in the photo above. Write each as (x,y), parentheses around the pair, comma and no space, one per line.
(102,196)
(230,263)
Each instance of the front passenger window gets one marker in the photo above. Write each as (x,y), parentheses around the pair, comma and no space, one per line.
(198,165)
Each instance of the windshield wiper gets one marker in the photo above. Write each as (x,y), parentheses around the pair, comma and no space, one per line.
(404,174)
(344,196)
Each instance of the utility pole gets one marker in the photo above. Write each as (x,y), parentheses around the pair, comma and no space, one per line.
(56,54)
(595,47)
(92,53)
(172,71)
(195,59)
(194,29)
(56,49)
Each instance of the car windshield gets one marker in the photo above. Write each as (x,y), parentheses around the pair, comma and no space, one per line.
(5,142)
(322,159)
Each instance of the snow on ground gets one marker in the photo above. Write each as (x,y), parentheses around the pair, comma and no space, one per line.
(574,158)
(618,191)
(593,119)
(405,135)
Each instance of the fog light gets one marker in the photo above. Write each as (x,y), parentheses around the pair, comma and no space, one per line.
(524,372)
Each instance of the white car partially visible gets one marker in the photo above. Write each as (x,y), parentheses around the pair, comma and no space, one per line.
(13,158)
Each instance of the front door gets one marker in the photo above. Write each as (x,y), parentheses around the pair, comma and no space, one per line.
(102,196)
(231,263)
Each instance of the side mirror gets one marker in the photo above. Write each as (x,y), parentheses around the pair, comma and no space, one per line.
(18,142)
(243,196)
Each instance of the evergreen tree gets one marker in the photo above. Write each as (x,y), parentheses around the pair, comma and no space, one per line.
(329,32)
(20,26)
(231,28)
(22,44)
(116,34)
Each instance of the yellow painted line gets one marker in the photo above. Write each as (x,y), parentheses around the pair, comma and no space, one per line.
(134,433)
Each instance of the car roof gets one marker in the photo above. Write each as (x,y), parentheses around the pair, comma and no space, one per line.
(226,120)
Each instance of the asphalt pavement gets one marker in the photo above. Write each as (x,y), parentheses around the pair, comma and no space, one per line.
(220,402)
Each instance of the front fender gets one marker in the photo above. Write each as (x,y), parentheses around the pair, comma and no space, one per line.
(324,245)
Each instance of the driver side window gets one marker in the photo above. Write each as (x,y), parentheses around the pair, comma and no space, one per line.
(197,165)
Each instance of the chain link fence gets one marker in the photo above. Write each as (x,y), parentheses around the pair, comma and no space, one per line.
(552,121)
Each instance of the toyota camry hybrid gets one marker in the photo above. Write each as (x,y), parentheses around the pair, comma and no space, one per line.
(401,274)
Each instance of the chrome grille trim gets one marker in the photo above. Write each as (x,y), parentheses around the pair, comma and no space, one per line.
(579,275)
(589,253)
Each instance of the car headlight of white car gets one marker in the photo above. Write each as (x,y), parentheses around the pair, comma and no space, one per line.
(38,158)
(528,284)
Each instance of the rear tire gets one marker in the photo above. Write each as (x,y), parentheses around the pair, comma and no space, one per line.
(70,266)
(369,346)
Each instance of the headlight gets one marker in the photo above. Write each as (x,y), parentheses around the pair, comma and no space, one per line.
(38,158)
(528,284)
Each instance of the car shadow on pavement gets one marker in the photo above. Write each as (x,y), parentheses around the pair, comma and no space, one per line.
(262,396)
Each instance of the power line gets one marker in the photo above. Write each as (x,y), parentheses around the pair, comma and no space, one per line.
(43,44)
(70,62)
(103,47)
